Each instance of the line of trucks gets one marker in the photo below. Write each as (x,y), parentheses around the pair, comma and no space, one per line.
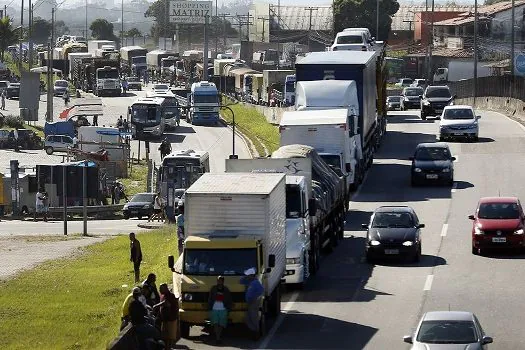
(278,214)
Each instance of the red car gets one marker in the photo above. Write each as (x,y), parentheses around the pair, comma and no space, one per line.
(499,222)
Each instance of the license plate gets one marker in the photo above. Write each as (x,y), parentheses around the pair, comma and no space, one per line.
(134,212)
(499,239)
(432,176)
(391,251)
(458,134)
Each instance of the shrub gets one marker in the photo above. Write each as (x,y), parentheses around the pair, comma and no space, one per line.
(12,121)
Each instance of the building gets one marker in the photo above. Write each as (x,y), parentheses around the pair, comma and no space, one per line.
(311,26)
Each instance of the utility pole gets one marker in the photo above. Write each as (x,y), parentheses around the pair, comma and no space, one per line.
(224,15)
(50,69)
(310,9)
(205,56)
(86,35)
(241,21)
(122,24)
(264,19)
(216,31)
(431,38)
(279,36)
(475,50)
(427,53)
(377,19)
(21,37)
(512,39)
(31,7)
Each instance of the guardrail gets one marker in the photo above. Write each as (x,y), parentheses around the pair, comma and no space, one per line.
(107,210)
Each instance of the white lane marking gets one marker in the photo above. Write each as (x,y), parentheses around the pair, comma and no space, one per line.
(428,282)
(444,230)
(287,307)
(454,187)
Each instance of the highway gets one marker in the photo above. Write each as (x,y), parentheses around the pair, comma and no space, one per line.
(353,305)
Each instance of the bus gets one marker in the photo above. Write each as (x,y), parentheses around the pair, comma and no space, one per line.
(170,107)
(396,69)
(147,117)
(179,170)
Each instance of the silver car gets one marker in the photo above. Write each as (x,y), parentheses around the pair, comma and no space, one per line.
(449,330)
(459,122)
(59,143)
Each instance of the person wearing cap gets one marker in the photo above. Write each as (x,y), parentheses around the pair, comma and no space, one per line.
(219,304)
(254,291)
(135,255)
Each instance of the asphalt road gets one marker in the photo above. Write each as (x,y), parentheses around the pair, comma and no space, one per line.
(353,305)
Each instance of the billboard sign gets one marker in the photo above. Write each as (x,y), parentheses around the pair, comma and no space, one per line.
(190,12)
(29,95)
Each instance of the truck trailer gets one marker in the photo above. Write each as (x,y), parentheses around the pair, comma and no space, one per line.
(233,222)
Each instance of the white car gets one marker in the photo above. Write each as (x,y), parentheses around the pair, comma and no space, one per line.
(59,143)
(161,87)
(459,121)
(404,82)
(353,39)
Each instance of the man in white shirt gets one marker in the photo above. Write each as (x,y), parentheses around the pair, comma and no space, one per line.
(41,203)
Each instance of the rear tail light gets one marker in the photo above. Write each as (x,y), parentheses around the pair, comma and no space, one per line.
(334,48)
(363,48)
(282,128)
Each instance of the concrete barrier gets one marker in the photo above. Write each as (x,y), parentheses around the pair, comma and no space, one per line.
(511,107)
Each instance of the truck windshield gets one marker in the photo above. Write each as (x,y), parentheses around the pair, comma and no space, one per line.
(293,202)
(290,86)
(138,59)
(332,160)
(205,98)
(170,112)
(143,114)
(214,262)
(350,39)
(107,74)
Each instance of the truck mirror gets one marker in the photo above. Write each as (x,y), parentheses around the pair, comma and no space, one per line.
(312,207)
(348,167)
(171,261)
(271,260)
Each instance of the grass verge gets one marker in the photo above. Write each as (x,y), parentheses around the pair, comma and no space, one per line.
(75,303)
(136,182)
(253,125)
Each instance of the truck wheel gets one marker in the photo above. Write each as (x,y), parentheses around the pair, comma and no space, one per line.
(49,150)
(185,330)
(275,302)
(262,324)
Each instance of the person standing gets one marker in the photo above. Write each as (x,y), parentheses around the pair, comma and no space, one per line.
(41,204)
(66,97)
(168,309)
(120,123)
(124,86)
(95,120)
(151,292)
(254,291)
(116,193)
(180,229)
(135,255)
(219,304)
(3,99)
(157,208)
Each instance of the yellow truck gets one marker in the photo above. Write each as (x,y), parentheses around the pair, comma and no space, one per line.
(233,222)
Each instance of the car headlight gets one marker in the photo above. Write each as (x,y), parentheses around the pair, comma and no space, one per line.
(478,231)
(417,170)
(374,243)
(147,206)
(408,243)
(426,103)
(293,261)
(519,232)
(187,297)
(125,207)
(446,170)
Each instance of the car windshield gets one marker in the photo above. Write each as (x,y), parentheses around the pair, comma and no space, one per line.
(61,83)
(392,219)
(143,197)
(498,211)
(413,92)
(432,153)
(438,93)
(458,113)
(214,262)
(350,39)
(161,87)
(406,81)
(447,332)
(394,99)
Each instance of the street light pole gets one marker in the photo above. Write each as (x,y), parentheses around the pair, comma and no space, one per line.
(475,49)
(232,156)
(21,37)
(377,20)
(512,38)
(30,35)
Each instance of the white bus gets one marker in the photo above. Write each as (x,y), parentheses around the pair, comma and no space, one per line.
(147,117)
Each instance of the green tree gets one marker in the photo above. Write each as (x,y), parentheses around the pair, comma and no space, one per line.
(101,29)
(7,35)
(41,30)
(133,32)
(362,13)
(61,28)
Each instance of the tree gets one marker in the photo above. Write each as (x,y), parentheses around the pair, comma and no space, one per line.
(7,35)
(61,28)
(362,13)
(133,32)
(101,29)
(41,30)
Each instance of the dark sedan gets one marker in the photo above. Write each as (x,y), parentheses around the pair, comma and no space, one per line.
(139,206)
(134,84)
(12,90)
(393,231)
(432,163)
(393,102)
(411,98)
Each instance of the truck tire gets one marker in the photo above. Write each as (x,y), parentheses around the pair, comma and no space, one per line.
(274,307)
(185,330)
(49,150)
(314,257)
(262,325)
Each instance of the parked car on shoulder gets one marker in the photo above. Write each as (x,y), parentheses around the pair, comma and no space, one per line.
(432,163)
(140,205)
(411,98)
(59,143)
(393,103)
(498,223)
(448,330)
(393,231)
(12,90)
(459,122)
(434,101)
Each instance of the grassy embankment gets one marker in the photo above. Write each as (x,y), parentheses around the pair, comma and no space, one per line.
(254,126)
(136,181)
(75,303)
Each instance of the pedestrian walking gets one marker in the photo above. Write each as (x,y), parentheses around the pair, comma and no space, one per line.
(135,255)
(124,86)
(125,125)
(65,96)
(219,305)
(168,310)
(42,206)
(116,194)
(150,290)
(254,291)
(180,229)
(120,123)
(157,208)
(95,120)
(3,99)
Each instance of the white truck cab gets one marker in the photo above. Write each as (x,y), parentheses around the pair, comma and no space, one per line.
(353,39)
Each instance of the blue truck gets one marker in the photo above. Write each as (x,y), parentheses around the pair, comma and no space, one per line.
(368,70)
(66,127)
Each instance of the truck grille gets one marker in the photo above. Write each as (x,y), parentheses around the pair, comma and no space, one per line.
(202,297)
(503,232)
